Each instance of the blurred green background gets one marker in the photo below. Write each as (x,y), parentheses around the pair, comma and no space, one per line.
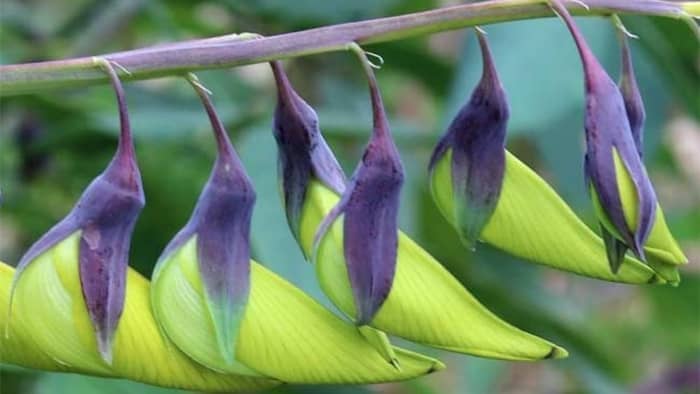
(621,338)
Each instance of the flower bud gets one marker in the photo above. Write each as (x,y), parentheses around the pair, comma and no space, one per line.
(306,155)
(219,232)
(662,251)
(476,139)
(622,193)
(104,217)
(634,106)
(425,304)
(369,206)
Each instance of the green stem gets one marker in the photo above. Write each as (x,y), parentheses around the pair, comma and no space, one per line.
(227,51)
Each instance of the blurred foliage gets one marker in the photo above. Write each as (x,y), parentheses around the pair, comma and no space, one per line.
(621,338)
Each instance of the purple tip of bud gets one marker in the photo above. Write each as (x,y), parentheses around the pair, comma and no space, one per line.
(477,138)
(105,214)
(608,132)
(370,208)
(632,97)
(303,153)
(221,221)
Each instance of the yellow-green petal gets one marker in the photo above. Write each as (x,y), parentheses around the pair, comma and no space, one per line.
(426,303)
(284,334)
(531,221)
(660,243)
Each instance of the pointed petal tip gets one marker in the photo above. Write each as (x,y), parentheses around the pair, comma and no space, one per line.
(104,346)
(656,280)
(556,352)
(437,366)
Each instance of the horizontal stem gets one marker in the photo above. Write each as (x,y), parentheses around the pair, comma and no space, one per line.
(228,51)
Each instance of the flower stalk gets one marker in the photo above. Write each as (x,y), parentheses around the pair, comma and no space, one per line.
(229,51)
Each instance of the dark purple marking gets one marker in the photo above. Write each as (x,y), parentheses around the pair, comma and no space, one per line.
(607,129)
(221,220)
(477,137)
(370,208)
(303,153)
(106,214)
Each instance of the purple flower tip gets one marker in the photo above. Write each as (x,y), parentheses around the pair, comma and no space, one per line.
(303,153)
(477,138)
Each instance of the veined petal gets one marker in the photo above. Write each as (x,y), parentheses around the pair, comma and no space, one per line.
(664,253)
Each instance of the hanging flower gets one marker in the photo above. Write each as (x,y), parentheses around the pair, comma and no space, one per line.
(104,219)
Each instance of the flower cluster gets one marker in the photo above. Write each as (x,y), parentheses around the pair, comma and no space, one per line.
(229,316)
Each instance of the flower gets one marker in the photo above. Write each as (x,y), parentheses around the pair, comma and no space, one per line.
(622,193)
(476,139)
(104,216)
(219,228)
(369,206)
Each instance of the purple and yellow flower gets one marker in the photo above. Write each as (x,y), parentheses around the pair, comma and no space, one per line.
(620,187)
(103,219)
